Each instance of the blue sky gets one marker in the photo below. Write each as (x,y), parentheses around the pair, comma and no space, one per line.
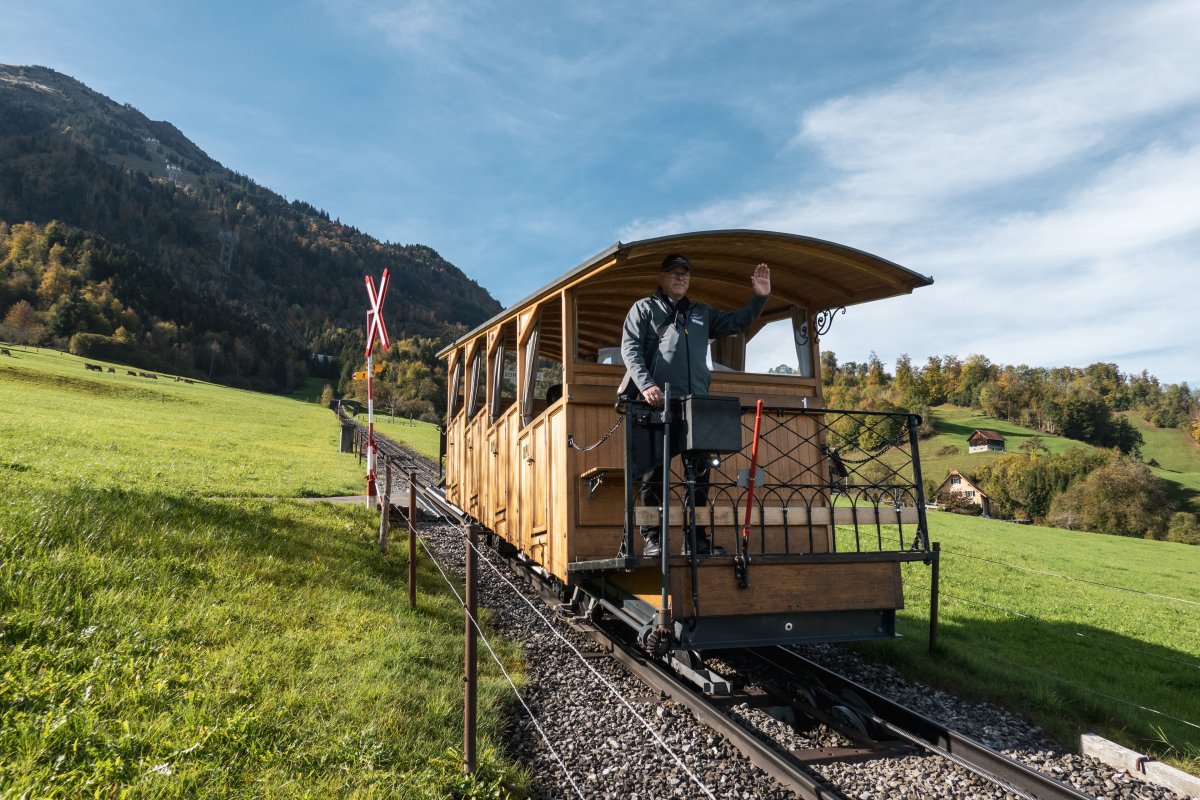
(1040,160)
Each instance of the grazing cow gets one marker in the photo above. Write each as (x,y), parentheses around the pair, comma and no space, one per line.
(110,369)
(95,367)
(5,351)
(131,372)
(188,380)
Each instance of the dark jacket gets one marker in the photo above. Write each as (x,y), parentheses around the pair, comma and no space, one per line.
(680,355)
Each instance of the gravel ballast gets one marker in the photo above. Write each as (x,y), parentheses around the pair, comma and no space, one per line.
(611,737)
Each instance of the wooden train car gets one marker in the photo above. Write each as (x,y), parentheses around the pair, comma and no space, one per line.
(535,453)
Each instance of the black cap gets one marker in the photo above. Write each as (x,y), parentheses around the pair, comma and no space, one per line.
(675,260)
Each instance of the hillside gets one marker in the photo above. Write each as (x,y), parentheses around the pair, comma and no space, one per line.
(1175,453)
(105,170)
(178,621)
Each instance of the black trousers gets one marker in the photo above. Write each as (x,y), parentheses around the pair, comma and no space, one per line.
(646,465)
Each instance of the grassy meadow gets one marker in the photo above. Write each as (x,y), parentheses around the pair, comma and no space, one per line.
(1078,631)
(422,437)
(176,622)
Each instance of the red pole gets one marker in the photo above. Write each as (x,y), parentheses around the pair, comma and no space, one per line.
(370,424)
(745,543)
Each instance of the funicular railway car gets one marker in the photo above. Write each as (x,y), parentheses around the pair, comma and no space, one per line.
(534,451)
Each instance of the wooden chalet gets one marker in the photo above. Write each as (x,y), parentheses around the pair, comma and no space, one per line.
(981,441)
(959,484)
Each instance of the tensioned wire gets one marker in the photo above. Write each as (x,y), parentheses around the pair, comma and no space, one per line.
(1072,578)
(889,536)
(612,689)
(1078,633)
(1063,680)
(507,677)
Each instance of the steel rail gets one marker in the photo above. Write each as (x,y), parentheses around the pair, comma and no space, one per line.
(783,767)
(898,719)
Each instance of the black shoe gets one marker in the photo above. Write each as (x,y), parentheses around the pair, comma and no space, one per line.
(652,548)
(652,536)
(704,548)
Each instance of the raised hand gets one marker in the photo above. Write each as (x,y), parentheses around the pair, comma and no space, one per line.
(761,280)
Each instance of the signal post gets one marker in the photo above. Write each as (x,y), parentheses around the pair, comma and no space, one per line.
(375,327)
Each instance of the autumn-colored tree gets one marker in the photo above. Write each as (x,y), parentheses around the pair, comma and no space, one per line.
(1184,528)
(1023,485)
(55,284)
(1120,498)
(22,324)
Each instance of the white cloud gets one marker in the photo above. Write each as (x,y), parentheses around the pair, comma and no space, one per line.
(1049,194)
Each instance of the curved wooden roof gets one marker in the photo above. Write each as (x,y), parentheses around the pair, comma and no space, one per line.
(807,272)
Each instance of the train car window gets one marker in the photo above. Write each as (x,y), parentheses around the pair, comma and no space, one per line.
(544,365)
(504,371)
(781,347)
(531,355)
(478,384)
(609,355)
(456,387)
(728,353)
(549,375)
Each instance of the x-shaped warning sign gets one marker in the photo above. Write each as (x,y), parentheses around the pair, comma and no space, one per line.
(375,325)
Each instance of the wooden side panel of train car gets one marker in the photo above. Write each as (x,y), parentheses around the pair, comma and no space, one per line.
(540,518)
(783,588)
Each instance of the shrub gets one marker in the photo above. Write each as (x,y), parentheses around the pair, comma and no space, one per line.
(955,503)
(1184,528)
(1120,498)
(106,348)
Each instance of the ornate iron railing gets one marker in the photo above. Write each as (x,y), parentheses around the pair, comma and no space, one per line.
(828,481)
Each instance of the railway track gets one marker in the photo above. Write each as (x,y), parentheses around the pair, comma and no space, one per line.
(873,726)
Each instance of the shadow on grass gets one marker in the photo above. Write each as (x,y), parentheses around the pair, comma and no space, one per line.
(1067,678)
(1182,497)
(287,544)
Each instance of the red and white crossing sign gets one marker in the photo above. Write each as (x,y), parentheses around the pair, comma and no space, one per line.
(375,324)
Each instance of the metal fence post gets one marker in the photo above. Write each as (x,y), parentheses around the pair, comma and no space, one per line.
(470,675)
(933,596)
(385,521)
(412,540)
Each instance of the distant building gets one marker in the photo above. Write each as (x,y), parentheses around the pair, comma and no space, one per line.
(982,441)
(957,483)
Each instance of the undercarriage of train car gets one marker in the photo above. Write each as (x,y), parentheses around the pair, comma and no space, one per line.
(810,514)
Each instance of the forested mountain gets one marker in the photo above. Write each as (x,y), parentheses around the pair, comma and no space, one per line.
(195,264)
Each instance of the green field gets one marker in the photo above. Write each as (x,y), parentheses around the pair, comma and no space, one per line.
(420,436)
(176,622)
(1178,458)
(1079,631)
